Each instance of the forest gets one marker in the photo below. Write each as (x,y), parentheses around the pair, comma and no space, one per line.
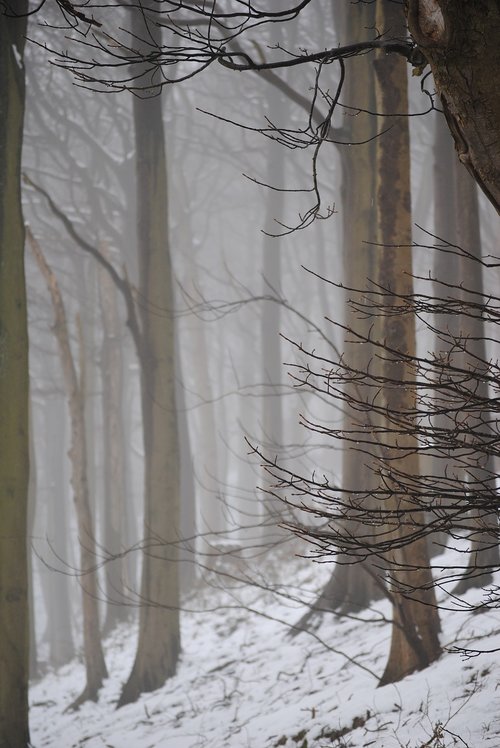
(249,373)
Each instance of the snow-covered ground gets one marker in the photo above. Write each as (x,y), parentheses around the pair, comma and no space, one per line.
(242,682)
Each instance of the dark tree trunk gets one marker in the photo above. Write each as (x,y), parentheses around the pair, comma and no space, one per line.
(14,440)
(459,39)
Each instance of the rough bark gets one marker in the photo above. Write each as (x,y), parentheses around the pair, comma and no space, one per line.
(459,39)
(95,666)
(159,630)
(414,640)
(14,441)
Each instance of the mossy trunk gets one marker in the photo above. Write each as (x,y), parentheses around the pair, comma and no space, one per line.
(14,441)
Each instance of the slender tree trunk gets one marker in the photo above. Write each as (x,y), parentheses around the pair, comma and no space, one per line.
(480,474)
(159,627)
(57,588)
(271,412)
(447,268)
(352,587)
(14,440)
(95,665)
(34,668)
(115,504)
(414,641)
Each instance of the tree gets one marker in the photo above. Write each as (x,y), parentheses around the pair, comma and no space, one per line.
(95,665)
(159,629)
(459,40)
(415,642)
(14,441)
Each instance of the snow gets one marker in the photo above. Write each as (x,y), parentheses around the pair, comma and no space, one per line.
(243,682)
(17,56)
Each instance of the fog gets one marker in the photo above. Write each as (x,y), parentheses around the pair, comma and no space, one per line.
(228,372)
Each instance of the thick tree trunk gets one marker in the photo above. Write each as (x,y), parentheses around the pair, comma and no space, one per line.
(459,39)
(414,642)
(354,587)
(95,666)
(159,628)
(14,441)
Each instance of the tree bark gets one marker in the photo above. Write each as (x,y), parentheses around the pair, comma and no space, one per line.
(414,641)
(459,39)
(14,439)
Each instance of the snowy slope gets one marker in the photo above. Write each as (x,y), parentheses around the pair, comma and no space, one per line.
(243,683)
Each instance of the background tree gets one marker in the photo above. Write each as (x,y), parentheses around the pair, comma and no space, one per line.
(95,665)
(159,629)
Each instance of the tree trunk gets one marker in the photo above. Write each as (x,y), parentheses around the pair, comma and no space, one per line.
(352,587)
(115,504)
(271,411)
(459,39)
(57,588)
(484,554)
(159,630)
(95,665)
(447,267)
(14,440)
(414,641)
(34,668)
(355,587)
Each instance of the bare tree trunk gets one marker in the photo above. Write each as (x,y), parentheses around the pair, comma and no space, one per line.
(14,440)
(353,586)
(159,627)
(34,669)
(446,268)
(271,412)
(57,591)
(94,658)
(414,641)
(115,505)
(480,474)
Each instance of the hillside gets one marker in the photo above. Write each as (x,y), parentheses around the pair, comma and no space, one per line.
(244,683)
